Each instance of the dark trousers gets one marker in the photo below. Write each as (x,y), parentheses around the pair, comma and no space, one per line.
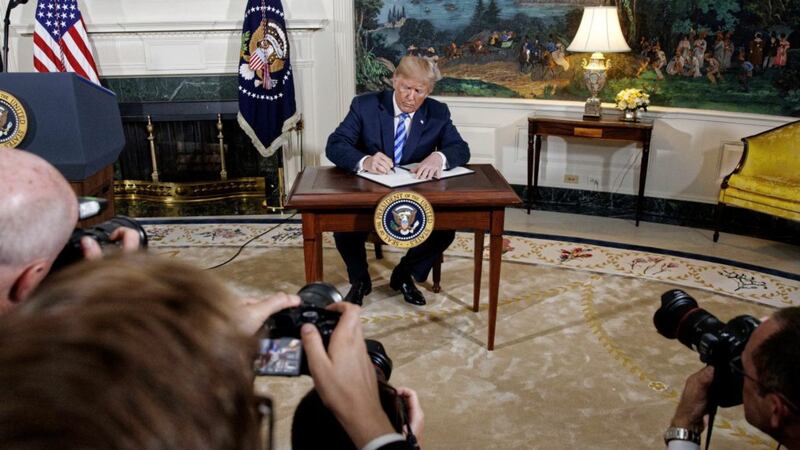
(418,260)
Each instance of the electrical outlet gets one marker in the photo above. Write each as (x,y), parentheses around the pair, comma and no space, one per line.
(571,179)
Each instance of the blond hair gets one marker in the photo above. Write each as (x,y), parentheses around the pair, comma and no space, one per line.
(416,68)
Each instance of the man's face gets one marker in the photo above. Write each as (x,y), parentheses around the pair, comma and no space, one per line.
(757,409)
(409,94)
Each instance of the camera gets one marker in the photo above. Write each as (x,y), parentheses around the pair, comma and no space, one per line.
(280,351)
(718,343)
(73,252)
(89,207)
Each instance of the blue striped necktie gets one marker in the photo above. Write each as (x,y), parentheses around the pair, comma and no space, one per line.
(400,138)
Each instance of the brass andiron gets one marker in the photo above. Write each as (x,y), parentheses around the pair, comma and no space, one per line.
(223,174)
(152,139)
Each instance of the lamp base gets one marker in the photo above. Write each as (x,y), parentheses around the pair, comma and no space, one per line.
(592,109)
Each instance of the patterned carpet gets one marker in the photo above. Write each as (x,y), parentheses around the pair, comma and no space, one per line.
(577,364)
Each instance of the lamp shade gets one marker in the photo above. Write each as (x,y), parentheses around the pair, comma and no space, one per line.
(599,32)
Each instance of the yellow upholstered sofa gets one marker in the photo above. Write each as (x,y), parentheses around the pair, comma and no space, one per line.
(767,178)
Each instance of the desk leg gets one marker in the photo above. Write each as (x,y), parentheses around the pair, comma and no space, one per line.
(312,247)
(476,282)
(495,250)
(642,178)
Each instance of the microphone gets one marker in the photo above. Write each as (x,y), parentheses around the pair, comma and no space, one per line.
(6,23)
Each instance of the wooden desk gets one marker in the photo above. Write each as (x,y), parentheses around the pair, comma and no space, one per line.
(332,199)
(609,129)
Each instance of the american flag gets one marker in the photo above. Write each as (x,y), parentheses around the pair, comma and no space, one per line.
(60,43)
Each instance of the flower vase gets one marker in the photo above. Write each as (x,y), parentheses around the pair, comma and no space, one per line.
(631,115)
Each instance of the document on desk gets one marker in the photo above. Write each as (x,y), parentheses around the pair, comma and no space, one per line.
(402,176)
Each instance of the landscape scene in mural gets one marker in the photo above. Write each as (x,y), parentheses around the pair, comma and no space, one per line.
(733,55)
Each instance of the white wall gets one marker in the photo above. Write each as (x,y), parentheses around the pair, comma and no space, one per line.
(182,37)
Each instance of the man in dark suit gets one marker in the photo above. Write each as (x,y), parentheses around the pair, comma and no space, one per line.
(386,129)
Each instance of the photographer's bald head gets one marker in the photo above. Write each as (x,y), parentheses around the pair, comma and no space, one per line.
(38,211)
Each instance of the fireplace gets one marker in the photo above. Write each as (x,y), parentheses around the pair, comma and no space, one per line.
(191,158)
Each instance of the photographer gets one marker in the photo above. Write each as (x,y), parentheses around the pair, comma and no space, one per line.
(134,352)
(38,212)
(344,378)
(314,426)
(771,394)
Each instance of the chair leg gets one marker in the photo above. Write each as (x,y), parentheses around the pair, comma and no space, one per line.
(376,241)
(437,274)
(718,219)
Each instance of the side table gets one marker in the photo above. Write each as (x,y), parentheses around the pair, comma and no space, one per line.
(608,129)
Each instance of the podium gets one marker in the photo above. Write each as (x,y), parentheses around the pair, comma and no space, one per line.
(75,125)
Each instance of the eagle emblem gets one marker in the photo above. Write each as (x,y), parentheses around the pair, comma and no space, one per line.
(404,219)
(13,121)
(5,126)
(264,52)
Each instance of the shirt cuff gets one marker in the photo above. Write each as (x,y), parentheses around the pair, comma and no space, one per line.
(380,441)
(676,444)
(444,160)
(360,166)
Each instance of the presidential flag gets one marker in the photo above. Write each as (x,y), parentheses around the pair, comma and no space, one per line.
(60,43)
(267,109)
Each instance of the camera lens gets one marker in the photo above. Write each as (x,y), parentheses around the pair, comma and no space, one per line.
(319,294)
(124,221)
(381,361)
(674,306)
(679,317)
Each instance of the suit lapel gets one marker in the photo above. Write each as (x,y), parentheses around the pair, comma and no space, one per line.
(387,123)
(417,124)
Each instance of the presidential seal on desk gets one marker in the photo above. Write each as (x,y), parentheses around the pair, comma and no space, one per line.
(404,219)
(13,121)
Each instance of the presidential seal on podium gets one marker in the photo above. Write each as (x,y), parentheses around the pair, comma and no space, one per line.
(404,219)
(13,121)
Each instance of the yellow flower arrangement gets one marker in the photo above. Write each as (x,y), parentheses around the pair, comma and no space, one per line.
(632,99)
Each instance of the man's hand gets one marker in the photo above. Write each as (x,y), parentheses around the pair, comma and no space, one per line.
(694,400)
(254,312)
(128,240)
(416,418)
(430,167)
(345,378)
(378,163)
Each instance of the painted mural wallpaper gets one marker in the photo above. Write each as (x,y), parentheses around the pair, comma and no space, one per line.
(730,55)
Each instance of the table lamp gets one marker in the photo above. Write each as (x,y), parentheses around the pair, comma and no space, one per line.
(598,32)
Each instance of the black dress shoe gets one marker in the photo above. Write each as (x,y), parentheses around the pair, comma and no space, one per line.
(357,292)
(402,281)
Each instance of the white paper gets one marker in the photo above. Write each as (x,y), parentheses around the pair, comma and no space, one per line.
(402,176)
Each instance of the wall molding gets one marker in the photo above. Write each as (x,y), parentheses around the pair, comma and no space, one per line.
(176,27)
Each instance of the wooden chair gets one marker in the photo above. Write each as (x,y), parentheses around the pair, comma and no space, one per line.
(437,266)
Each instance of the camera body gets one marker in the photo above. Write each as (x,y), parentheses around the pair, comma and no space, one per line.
(314,298)
(719,344)
(101,233)
(280,351)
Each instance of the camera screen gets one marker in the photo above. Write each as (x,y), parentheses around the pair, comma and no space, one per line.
(282,356)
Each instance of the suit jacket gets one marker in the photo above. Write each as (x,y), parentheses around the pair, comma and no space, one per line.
(368,129)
